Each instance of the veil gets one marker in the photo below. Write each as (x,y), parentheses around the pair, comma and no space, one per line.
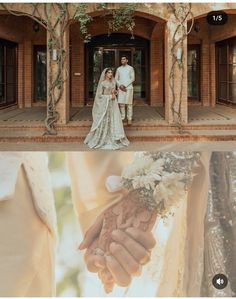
(100,103)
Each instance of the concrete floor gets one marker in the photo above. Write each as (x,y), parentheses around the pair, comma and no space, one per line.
(142,114)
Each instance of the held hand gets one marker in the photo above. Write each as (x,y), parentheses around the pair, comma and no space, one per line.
(123,88)
(124,241)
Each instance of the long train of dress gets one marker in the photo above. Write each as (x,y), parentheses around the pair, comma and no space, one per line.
(107,130)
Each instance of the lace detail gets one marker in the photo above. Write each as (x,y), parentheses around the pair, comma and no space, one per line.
(219,256)
(35,165)
(40,183)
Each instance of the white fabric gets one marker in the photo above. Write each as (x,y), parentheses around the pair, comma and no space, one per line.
(125,76)
(35,165)
(27,247)
(114,183)
(129,111)
(107,131)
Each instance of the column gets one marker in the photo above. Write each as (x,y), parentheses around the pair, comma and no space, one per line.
(28,81)
(156,67)
(63,106)
(205,73)
(175,98)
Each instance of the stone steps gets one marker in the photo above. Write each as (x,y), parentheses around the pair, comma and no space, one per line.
(32,126)
(134,136)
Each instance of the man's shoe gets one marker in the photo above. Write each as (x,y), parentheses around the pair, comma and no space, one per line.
(129,122)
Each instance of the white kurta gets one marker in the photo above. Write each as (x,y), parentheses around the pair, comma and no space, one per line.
(125,76)
(27,226)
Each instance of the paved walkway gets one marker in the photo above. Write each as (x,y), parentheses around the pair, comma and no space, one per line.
(143,115)
(23,129)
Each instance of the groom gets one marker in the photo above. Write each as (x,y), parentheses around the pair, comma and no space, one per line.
(125,77)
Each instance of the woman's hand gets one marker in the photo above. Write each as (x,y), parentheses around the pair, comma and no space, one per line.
(113,92)
(119,243)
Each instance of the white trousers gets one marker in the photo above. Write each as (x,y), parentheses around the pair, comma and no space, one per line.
(26,246)
(129,111)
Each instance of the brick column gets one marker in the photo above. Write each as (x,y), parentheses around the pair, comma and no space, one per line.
(63,107)
(20,74)
(169,116)
(28,80)
(156,72)
(205,73)
(77,68)
(212,75)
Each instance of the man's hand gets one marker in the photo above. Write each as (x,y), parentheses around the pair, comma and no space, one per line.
(123,88)
(129,251)
(119,242)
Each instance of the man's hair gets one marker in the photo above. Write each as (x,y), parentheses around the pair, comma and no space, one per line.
(124,56)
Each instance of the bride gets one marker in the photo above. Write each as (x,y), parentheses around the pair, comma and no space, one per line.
(107,131)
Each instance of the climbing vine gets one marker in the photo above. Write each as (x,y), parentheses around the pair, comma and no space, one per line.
(55,18)
(181,12)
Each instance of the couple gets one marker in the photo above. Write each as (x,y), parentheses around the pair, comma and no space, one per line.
(107,131)
(121,201)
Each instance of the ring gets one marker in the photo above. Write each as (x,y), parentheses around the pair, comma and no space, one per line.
(98,251)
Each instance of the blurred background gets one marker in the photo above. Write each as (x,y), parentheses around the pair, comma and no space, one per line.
(69,263)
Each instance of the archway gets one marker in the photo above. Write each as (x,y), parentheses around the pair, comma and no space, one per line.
(106,51)
(145,49)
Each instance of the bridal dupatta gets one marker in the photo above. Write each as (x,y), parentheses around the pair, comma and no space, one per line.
(107,131)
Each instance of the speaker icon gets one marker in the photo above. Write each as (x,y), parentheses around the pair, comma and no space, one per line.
(220,281)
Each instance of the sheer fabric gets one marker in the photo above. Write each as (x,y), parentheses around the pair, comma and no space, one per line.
(107,131)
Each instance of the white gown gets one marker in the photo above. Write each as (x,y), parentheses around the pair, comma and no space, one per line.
(107,131)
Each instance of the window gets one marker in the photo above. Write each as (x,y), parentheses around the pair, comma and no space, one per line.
(40,73)
(8,73)
(193,72)
(227,71)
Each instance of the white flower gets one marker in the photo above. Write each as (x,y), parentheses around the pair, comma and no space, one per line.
(139,167)
(147,181)
(144,173)
(170,190)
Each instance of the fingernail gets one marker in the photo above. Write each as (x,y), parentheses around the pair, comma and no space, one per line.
(97,264)
(81,246)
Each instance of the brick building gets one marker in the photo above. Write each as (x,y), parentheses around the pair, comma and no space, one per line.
(209,55)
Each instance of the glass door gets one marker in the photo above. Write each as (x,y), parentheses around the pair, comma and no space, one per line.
(140,67)
(8,73)
(193,72)
(40,73)
(102,57)
(226,72)
(2,77)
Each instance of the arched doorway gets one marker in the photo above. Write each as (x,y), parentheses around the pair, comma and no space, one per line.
(106,51)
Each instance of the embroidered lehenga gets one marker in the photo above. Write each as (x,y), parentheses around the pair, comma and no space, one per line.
(107,130)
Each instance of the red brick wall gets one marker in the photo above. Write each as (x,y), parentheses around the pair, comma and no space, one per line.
(156,66)
(23,34)
(207,36)
(144,28)
(77,67)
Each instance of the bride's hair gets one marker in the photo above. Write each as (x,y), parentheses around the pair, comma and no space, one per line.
(108,69)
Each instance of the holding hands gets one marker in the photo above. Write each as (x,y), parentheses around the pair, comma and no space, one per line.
(123,88)
(119,243)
